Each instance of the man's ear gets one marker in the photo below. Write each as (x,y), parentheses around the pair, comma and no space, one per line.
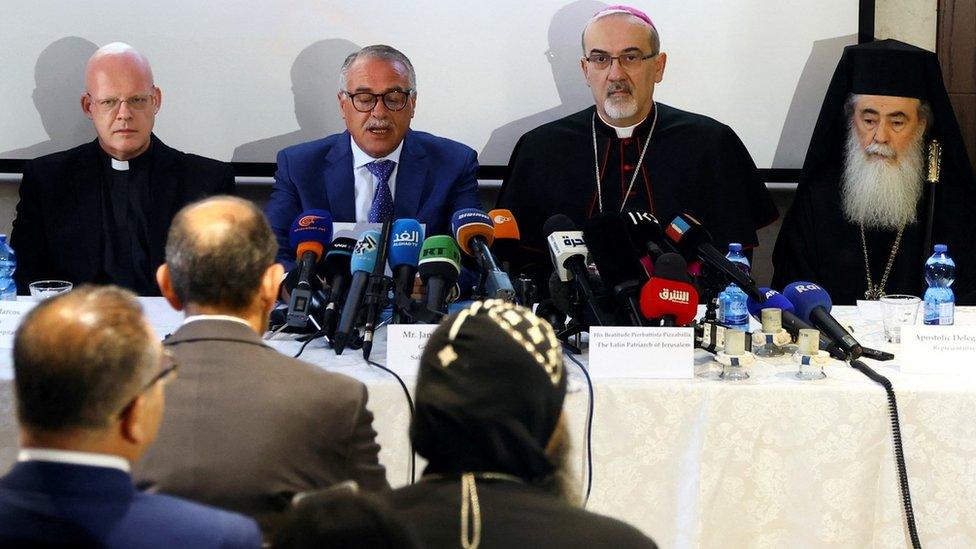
(132,425)
(166,287)
(86,106)
(270,284)
(661,61)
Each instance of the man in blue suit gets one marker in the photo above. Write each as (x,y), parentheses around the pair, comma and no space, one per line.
(89,375)
(378,169)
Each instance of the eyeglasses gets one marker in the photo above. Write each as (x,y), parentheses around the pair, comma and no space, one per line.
(168,371)
(394,100)
(112,104)
(627,60)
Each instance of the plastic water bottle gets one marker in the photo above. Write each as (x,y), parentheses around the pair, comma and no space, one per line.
(732,302)
(8,264)
(940,273)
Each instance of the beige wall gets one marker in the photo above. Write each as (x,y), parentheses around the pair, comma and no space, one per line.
(912,21)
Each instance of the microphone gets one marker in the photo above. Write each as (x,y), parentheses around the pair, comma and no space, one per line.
(617,260)
(568,251)
(645,232)
(439,266)
(404,254)
(775,300)
(691,239)
(377,288)
(362,263)
(310,233)
(668,295)
(474,232)
(507,237)
(812,304)
(336,264)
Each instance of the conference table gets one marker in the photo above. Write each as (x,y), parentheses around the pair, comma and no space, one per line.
(771,461)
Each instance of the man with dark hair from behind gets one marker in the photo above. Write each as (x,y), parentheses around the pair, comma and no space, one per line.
(489,421)
(249,428)
(89,376)
(341,517)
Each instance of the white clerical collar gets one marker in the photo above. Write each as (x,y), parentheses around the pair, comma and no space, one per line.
(194,318)
(120,165)
(75,458)
(360,158)
(622,132)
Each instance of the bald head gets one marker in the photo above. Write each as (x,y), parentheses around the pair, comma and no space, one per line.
(79,357)
(217,253)
(121,100)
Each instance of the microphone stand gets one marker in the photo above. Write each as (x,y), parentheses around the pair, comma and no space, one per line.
(377,289)
(934,166)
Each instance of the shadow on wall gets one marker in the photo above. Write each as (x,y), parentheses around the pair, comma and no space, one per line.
(808,99)
(59,81)
(314,83)
(564,53)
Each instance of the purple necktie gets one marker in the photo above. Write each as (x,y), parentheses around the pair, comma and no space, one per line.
(382,208)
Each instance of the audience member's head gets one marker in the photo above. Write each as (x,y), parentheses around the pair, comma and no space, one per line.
(622,61)
(220,259)
(343,518)
(87,370)
(121,99)
(490,395)
(378,99)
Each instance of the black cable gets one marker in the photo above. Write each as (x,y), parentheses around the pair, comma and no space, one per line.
(313,337)
(587,430)
(906,497)
(410,405)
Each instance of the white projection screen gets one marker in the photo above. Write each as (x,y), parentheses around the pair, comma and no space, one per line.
(241,80)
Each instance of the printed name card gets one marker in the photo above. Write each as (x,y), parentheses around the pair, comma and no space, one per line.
(629,352)
(10,314)
(404,345)
(938,349)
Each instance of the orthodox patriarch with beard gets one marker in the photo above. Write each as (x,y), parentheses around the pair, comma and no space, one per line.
(857,226)
(629,152)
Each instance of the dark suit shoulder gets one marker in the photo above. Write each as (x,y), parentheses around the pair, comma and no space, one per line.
(44,167)
(312,149)
(189,521)
(430,141)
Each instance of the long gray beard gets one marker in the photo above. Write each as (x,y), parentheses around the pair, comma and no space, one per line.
(877,194)
(561,483)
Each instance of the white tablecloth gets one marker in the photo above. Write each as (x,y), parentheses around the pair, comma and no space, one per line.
(768,462)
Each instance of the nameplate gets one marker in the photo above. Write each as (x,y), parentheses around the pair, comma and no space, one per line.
(11,313)
(628,352)
(404,345)
(938,349)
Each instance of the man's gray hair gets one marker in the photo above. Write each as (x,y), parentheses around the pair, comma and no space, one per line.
(379,51)
(925,113)
(653,37)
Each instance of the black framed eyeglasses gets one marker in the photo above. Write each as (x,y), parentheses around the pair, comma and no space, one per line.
(630,60)
(166,373)
(394,100)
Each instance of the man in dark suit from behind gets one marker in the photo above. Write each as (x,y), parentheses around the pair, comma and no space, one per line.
(489,421)
(89,375)
(100,212)
(249,428)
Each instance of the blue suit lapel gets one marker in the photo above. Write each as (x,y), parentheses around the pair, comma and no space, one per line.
(411,179)
(339,180)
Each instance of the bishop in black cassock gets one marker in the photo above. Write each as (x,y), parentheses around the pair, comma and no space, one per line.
(819,243)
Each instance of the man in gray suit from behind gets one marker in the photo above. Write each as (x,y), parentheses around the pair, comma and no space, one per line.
(247,428)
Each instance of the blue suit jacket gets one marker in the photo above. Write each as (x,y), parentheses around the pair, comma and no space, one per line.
(435,178)
(46,503)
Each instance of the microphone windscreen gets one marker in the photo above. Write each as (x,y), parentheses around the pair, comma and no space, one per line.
(468,223)
(663,297)
(687,233)
(311,231)
(339,256)
(774,300)
(406,237)
(505,224)
(439,256)
(364,255)
(611,249)
(805,297)
(558,222)
(671,266)
(643,227)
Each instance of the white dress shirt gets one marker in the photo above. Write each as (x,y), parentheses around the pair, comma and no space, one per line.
(365,182)
(75,458)
(194,318)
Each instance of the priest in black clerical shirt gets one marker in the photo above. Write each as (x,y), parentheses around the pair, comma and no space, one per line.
(858,223)
(100,212)
(628,152)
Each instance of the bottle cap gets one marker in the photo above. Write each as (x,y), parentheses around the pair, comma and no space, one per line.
(735,342)
(941,248)
(808,341)
(772,320)
(735,247)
